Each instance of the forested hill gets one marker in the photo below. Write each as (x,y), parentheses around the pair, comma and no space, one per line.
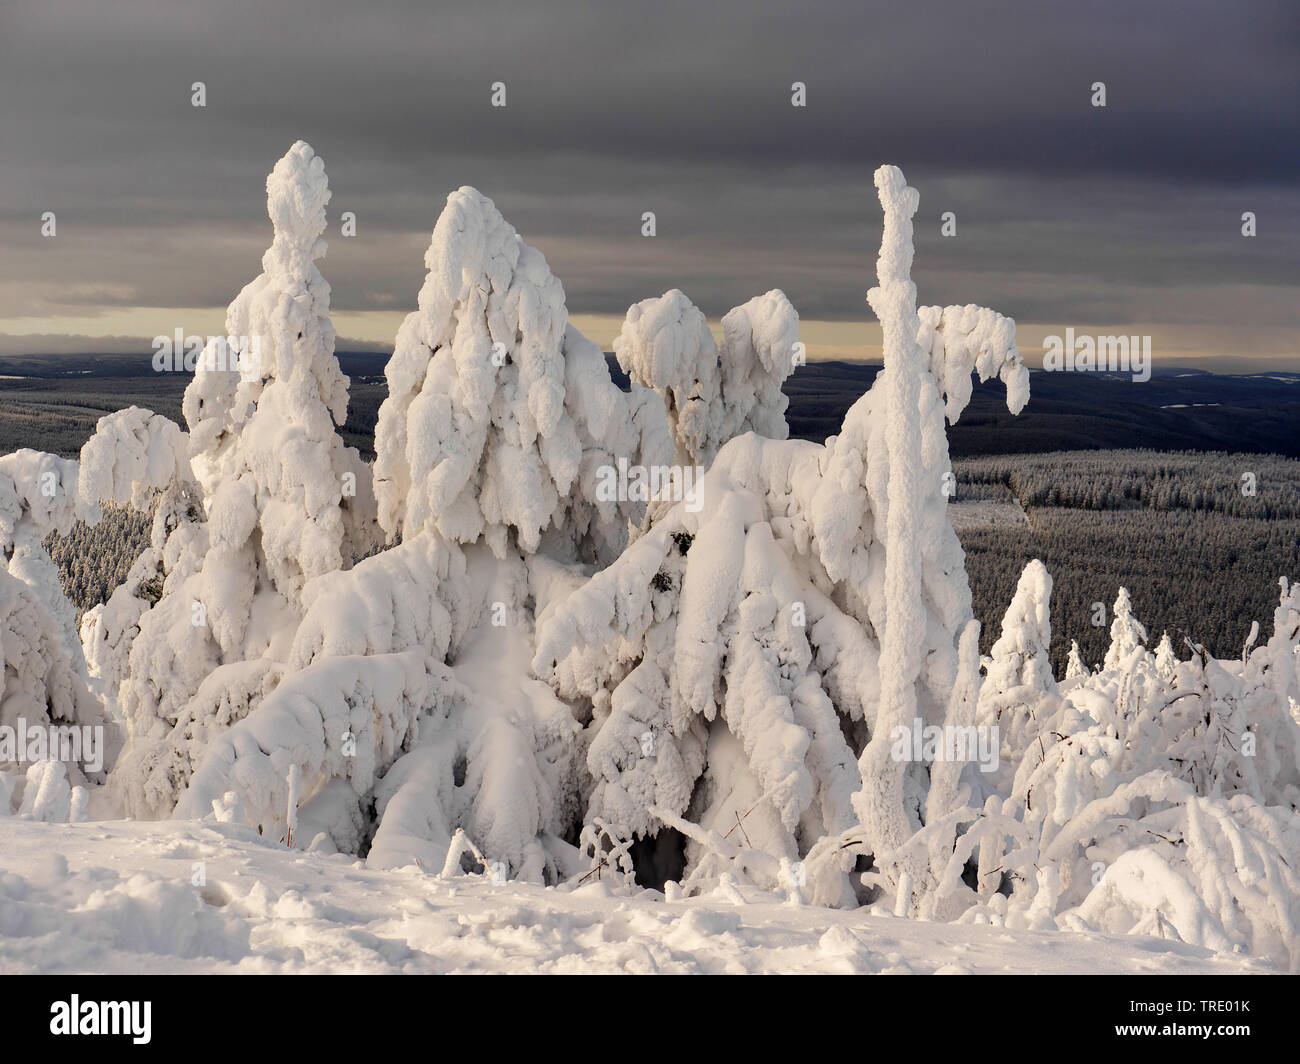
(1176,410)
(52,403)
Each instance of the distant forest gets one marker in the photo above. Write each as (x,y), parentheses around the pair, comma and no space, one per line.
(51,403)
(1199,557)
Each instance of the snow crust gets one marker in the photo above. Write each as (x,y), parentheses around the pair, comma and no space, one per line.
(72,905)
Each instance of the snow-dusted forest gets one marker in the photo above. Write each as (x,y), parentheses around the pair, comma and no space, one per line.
(560,633)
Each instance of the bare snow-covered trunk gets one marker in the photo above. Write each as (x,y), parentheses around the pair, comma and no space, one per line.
(894,300)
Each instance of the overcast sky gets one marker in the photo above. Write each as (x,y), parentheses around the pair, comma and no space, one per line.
(1127,216)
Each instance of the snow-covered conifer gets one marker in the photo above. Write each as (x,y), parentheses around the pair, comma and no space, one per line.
(38,495)
(1019,690)
(499,413)
(759,346)
(710,395)
(132,454)
(1166,660)
(923,601)
(41,684)
(663,642)
(500,419)
(283,499)
(1074,667)
(1126,632)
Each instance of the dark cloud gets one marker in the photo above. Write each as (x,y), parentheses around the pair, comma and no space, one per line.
(1065,211)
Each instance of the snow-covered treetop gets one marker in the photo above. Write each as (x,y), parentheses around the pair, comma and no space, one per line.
(955,339)
(1020,653)
(484,287)
(278,327)
(265,399)
(1074,666)
(666,345)
(132,454)
(494,400)
(1127,633)
(37,490)
(758,347)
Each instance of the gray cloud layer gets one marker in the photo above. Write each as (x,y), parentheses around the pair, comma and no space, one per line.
(1065,212)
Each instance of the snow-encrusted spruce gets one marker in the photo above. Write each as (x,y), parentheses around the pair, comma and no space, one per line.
(758,351)
(665,344)
(1278,662)
(1019,689)
(41,683)
(1166,659)
(283,500)
(45,680)
(759,617)
(1159,805)
(1075,669)
(499,413)
(710,641)
(1126,632)
(925,600)
(133,456)
(38,495)
(499,418)
(286,499)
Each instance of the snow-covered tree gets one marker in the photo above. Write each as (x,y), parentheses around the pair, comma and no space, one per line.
(132,455)
(499,419)
(707,644)
(285,497)
(924,599)
(665,345)
(1126,632)
(499,413)
(41,683)
(1074,667)
(1019,689)
(1166,659)
(38,495)
(1278,662)
(283,500)
(710,395)
(759,349)
(759,617)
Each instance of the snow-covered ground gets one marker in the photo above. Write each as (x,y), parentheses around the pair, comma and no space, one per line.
(121,897)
